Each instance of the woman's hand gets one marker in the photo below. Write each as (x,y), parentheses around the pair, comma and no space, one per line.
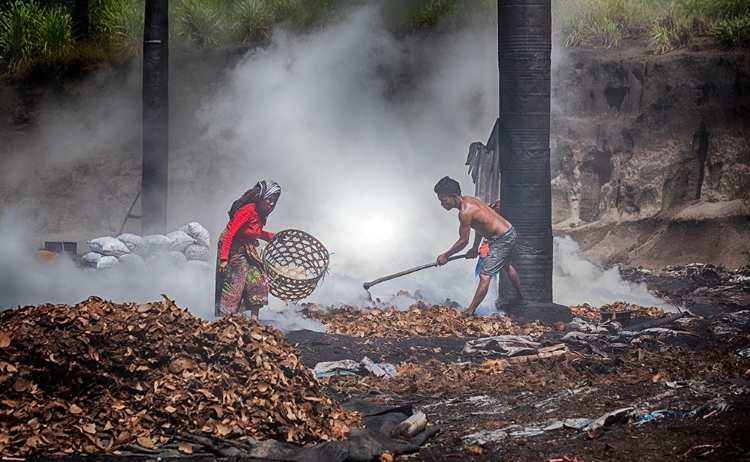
(223,265)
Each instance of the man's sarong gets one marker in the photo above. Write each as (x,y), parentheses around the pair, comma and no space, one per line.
(244,283)
(499,254)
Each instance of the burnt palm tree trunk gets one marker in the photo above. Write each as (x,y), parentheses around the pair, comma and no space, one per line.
(154,175)
(80,19)
(523,129)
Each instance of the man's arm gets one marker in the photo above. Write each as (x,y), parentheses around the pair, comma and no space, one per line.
(464,231)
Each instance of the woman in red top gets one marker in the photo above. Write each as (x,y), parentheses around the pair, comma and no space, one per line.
(241,282)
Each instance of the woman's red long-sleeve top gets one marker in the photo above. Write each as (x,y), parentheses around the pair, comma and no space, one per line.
(246,226)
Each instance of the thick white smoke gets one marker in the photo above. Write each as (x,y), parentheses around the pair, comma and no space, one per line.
(576,280)
(355,124)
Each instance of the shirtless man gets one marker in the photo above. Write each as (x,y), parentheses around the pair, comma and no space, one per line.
(487,223)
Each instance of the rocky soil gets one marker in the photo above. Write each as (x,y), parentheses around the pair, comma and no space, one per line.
(650,155)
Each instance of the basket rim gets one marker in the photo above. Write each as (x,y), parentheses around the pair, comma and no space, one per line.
(270,268)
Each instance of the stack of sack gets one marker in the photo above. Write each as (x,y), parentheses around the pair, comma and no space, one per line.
(190,246)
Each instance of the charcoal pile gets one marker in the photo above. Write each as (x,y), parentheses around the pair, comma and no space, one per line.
(420,319)
(99,377)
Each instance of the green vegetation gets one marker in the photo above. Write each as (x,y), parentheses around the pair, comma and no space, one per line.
(33,34)
(733,33)
(253,20)
(668,24)
(40,33)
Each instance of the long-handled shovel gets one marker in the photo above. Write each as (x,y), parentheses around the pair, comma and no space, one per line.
(367,285)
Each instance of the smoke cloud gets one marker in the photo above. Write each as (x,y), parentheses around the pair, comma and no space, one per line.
(357,126)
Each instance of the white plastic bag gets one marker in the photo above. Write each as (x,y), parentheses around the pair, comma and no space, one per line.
(107,261)
(198,252)
(198,232)
(180,240)
(157,243)
(132,241)
(91,259)
(108,246)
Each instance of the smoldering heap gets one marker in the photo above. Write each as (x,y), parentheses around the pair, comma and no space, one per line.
(593,313)
(99,376)
(420,319)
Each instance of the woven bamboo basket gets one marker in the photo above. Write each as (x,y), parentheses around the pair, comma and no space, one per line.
(295,262)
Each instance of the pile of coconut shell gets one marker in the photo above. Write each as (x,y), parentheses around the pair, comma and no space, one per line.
(420,319)
(99,376)
(594,314)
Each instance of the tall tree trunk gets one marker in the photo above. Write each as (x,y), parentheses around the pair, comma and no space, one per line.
(154,177)
(81,19)
(524,49)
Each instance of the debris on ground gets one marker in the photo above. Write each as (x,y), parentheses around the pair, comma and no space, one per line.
(665,388)
(594,313)
(351,367)
(702,288)
(101,376)
(669,385)
(421,319)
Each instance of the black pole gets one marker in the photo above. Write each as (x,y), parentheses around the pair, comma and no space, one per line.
(80,18)
(524,52)
(155,118)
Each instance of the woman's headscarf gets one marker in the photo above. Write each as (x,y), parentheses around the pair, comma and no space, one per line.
(262,190)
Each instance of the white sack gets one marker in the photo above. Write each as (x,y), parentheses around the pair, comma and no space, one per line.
(108,246)
(198,232)
(132,241)
(91,259)
(180,240)
(198,252)
(107,261)
(157,243)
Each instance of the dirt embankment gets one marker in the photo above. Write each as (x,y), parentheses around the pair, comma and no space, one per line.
(650,159)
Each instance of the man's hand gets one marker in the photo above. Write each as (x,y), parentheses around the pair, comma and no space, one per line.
(442,259)
(495,205)
(223,264)
(472,253)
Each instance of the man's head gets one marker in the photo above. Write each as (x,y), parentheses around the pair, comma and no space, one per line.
(449,193)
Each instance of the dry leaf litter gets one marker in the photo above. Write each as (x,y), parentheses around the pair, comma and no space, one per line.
(437,379)
(420,319)
(593,313)
(100,376)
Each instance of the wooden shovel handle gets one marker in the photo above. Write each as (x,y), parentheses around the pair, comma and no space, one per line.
(367,285)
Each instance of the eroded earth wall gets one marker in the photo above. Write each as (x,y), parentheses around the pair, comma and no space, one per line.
(654,145)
